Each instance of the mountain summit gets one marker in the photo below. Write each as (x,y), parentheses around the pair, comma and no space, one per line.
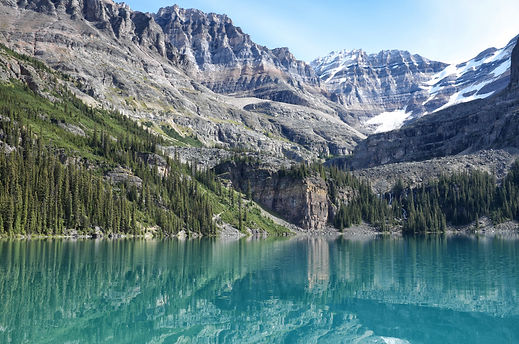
(226,60)
(184,72)
(490,123)
(395,86)
(388,81)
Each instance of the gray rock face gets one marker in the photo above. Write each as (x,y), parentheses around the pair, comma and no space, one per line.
(484,75)
(387,81)
(415,173)
(74,129)
(483,124)
(405,87)
(303,202)
(514,70)
(122,175)
(111,18)
(226,60)
(123,59)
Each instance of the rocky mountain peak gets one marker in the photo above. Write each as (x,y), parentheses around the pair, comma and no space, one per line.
(337,59)
(371,84)
(115,20)
(129,61)
(393,87)
(358,57)
(207,39)
(226,60)
(468,127)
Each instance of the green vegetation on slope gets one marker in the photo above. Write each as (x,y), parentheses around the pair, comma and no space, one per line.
(40,194)
(458,199)
(57,153)
(183,140)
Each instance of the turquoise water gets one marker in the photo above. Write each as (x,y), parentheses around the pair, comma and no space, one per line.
(432,290)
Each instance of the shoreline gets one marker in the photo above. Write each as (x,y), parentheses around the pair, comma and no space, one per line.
(362,232)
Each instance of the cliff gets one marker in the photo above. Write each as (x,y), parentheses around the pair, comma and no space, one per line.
(302,200)
(491,123)
(225,59)
(153,68)
(514,71)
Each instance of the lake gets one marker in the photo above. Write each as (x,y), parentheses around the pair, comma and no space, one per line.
(299,290)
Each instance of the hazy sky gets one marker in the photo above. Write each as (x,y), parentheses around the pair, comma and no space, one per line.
(445,30)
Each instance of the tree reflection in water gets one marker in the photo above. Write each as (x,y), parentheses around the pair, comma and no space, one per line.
(427,290)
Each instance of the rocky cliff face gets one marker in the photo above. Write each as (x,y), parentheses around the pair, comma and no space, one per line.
(514,70)
(478,78)
(387,81)
(391,88)
(226,60)
(123,59)
(116,20)
(482,124)
(303,202)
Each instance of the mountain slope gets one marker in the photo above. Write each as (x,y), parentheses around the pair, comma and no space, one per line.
(226,60)
(393,87)
(480,77)
(481,124)
(71,169)
(123,59)
(376,83)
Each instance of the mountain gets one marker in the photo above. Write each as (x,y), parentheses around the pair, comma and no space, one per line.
(392,87)
(372,84)
(148,67)
(480,77)
(490,123)
(95,172)
(203,92)
(226,60)
(197,77)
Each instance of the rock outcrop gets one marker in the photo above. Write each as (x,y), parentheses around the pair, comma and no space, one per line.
(302,200)
(375,83)
(514,70)
(226,60)
(491,123)
(393,87)
(123,59)
(414,173)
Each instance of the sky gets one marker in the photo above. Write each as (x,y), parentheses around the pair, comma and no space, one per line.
(450,31)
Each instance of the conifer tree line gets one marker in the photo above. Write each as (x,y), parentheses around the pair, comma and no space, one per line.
(364,206)
(457,199)
(41,195)
(46,189)
(169,195)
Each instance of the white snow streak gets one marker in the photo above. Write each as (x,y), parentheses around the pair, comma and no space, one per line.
(388,121)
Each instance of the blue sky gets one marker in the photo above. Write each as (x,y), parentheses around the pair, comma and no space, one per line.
(445,30)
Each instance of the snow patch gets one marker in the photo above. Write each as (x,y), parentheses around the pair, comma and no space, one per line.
(387,121)
(502,69)
(449,70)
(459,96)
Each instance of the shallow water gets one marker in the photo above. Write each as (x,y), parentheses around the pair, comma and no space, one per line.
(312,290)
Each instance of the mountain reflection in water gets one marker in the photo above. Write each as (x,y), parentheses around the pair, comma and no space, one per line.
(302,290)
